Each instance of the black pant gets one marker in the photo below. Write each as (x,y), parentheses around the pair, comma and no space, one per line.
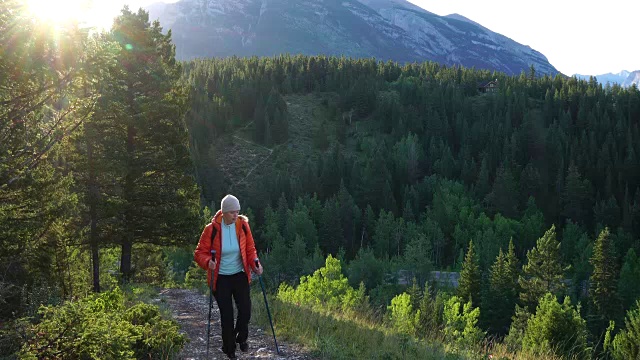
(236,286)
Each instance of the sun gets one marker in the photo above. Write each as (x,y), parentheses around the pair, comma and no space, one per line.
(57,10)
(85,12)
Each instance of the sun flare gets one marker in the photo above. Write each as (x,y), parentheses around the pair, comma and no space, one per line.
(85,12)
(57,11)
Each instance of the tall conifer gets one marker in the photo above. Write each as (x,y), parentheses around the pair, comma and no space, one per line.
(470,277)
(543,272)
(604,303)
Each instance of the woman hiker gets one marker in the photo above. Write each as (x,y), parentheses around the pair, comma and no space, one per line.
(235,254)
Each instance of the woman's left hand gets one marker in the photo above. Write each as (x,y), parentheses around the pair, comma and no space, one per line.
(258,270)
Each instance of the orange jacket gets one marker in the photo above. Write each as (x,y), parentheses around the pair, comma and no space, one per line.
(202,254)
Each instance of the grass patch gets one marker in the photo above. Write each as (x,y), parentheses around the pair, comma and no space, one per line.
(330,337)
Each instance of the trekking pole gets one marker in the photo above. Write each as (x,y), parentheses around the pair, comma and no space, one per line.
(266,304)
(213,257)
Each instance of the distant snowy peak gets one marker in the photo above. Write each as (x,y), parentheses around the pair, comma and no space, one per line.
(623,78)
(385,29)
(633,78)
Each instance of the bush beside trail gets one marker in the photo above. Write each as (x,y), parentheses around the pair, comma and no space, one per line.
(101,326)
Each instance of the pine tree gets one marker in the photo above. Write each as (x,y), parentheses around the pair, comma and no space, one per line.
(384,234)
(417,256)
(543,272)
(429,320)
(482,185)
(366,269)
(415,293)
(530,182)
(532,226)
(47,91)
(330,234)
(348,217)
(159,199)
(629,279)
(502,293)
(604,304)
(407,212)
(408,156)
(470,277)
(504,196)
(576,196)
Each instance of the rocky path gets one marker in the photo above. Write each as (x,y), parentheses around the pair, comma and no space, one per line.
(190,310)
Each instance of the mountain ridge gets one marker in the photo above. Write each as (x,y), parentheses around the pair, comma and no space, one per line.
(384,29)
(623,78)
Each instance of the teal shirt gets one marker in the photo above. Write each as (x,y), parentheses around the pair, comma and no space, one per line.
(230,258)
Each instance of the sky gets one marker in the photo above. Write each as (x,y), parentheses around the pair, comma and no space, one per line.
(105,10)
(577,37)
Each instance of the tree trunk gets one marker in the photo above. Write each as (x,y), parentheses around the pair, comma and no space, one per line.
(93,217)
(127,240)
(125,259)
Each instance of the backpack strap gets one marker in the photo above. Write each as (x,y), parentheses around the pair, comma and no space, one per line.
(214,231)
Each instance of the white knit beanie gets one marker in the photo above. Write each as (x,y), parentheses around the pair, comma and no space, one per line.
(229,203)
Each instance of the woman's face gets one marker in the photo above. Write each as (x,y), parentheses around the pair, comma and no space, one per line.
(230,217)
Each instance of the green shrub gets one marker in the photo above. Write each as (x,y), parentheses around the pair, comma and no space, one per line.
(196,278)
(404,318)
(626,344)
(326,289)
(460,323)
(102,326)
(158,338)
(557,327)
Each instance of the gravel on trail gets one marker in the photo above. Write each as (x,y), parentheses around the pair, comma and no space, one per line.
(191,310)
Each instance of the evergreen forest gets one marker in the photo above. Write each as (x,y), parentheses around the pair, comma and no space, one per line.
(398,195)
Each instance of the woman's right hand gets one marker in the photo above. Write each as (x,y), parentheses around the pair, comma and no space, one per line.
(212,264)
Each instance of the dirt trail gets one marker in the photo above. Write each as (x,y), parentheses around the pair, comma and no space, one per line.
(190,310)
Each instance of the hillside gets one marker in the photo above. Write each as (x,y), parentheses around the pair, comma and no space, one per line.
(384,29)
(252,163)
(414,169)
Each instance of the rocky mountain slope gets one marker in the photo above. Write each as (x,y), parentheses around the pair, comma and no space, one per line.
(632,78)
(385,29)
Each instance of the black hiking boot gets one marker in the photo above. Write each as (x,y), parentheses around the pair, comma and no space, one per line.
(230,355)
(244,347)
